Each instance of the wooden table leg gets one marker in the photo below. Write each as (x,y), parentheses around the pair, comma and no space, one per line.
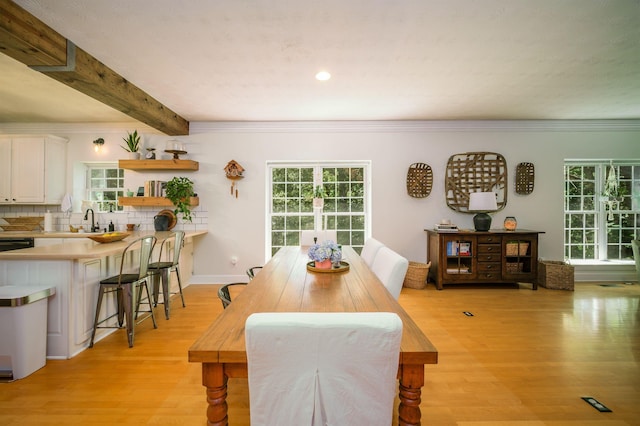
(411,382)
(214,379)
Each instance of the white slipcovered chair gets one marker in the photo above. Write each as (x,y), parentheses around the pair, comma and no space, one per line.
(313,369)
(635,247)
(390,268)
(306,237)
(370,249)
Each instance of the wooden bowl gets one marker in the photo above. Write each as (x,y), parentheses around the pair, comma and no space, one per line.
(109,237)
(24,220)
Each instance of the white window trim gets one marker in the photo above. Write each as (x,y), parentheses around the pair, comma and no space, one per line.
(366,164)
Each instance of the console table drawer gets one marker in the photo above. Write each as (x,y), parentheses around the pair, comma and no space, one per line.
(489,239)
(491,257)
(490,276)
(489,248)
(489,267)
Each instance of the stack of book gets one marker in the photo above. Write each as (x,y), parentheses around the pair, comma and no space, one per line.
(448,227)
(155,188)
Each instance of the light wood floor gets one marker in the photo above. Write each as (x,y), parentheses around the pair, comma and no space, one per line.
(525,358)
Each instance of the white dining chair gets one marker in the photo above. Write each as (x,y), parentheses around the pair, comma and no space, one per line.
(390,268)
(322,368)
(635,247)
(370,249)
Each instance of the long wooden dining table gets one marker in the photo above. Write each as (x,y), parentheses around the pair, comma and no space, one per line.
(285,284)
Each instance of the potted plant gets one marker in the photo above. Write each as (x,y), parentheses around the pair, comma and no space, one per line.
(133,145)
(612,194)
(318,196)
(325,254)
(179,191)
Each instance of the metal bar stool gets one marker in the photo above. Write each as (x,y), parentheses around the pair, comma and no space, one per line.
(128,288)
(251,272)
(224,295)
(161,270)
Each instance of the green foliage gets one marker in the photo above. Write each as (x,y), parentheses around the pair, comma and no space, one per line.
(133,142)
(179,191)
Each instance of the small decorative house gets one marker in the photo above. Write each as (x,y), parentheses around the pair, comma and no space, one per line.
(233,170)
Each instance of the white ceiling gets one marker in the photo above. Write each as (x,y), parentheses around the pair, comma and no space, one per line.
(217,60)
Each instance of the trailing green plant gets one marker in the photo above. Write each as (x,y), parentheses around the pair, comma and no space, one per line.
(179,191)
(133,142)
(318,192)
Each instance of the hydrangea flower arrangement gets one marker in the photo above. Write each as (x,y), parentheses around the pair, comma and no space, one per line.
(327,250)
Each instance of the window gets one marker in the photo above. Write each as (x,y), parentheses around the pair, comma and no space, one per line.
(105,183)
(600,224)
(346,207)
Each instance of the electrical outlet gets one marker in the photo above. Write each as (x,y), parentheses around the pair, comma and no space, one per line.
(234,260)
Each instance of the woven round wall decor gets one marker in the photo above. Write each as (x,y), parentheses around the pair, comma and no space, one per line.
(475,172)
(419,180)
(525,176)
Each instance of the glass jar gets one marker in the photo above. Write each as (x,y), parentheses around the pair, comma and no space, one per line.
(510,223)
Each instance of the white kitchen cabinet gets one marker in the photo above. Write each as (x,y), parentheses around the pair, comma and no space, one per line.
(5,170)
(33,169)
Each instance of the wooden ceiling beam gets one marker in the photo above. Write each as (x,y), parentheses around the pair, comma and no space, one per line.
(30,41)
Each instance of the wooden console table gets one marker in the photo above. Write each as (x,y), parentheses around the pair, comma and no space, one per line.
(468,257)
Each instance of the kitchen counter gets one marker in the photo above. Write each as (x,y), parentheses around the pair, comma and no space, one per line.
(75,270)
(80,250)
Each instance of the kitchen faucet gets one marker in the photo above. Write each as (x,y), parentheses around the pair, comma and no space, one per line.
(94,228)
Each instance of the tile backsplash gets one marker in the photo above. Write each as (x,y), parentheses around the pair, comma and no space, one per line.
(142,216)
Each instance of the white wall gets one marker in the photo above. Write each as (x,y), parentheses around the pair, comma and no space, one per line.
(237,226)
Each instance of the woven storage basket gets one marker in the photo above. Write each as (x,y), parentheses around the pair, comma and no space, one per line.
(514,267)
(554,274)
(512,248)
(417,275)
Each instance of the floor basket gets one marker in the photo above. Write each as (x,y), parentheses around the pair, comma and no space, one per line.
(417,275)
(555,274)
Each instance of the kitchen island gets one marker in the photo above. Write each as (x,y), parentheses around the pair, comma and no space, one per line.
(75,270)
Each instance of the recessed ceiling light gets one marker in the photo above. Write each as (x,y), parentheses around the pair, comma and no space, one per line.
(323,76)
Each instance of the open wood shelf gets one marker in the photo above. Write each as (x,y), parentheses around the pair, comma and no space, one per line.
(152,201)
(159,165)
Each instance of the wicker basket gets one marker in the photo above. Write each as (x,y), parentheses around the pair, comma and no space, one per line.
(554,274)
(514,267)
(517,248)
(417,275)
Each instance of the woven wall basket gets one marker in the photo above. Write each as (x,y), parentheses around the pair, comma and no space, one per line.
(525,175)
(475,172)
(419,180)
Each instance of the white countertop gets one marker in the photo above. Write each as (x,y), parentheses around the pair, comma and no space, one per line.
(81,250)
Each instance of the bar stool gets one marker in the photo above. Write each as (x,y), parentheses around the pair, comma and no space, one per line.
(224,295)
(128,288)
(163,270)
(251,272)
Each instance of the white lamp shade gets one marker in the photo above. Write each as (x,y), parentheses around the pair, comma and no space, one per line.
(482,202)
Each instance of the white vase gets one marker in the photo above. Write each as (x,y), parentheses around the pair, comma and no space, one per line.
(134,156)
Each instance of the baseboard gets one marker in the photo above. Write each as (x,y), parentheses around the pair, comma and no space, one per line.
(218,279)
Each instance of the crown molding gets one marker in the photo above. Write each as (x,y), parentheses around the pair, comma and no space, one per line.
(76,128)
(414,126)
(337,126)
